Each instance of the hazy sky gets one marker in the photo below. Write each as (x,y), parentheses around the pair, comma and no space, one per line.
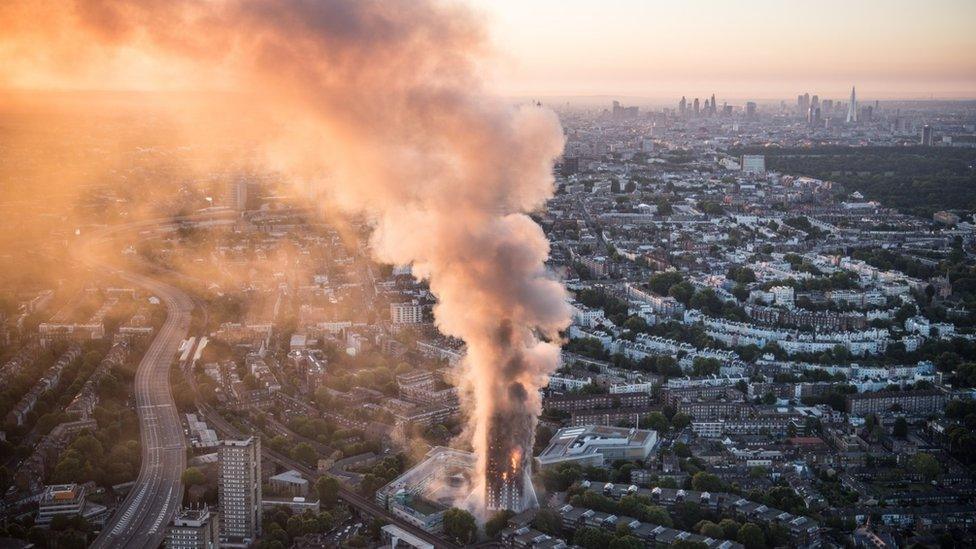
(758,49)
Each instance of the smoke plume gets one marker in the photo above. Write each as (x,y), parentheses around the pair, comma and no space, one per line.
(380,104)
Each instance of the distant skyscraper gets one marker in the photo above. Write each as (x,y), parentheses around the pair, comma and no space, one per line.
(852,108)
(803,104)
(865,114)
(750,110)
(620,112)
(815,101)
(697,107)
(927,139)
(714,106)
(682,106)
(813,117)
(239,491)
(237,194)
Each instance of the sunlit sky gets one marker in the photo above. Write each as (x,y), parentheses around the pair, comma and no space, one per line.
(752,49)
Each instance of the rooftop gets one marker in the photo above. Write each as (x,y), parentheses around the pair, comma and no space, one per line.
(578,442)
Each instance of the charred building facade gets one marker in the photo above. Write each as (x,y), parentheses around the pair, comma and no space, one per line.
(507,466)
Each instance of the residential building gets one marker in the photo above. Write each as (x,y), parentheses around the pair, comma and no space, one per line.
(239,491)
(916,403)
(193,529)
(753,163)
(411,312)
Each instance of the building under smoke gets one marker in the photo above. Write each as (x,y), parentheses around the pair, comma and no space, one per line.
(380,106)
(422,494)
(508,468)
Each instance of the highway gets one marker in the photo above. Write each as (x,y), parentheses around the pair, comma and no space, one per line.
(141,519)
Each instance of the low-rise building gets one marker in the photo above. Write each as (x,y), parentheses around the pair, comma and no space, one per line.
(60,500)
(193,529)
(916,403)
(597,446)
(290,483)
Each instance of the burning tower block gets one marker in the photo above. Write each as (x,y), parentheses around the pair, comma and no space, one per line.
(507,482)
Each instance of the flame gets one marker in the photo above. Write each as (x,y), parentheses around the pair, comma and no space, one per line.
(377,107)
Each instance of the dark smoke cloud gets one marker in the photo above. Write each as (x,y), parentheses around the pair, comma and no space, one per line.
(378,104)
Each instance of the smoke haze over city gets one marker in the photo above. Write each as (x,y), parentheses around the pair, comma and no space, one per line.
(434,272)
(379,104)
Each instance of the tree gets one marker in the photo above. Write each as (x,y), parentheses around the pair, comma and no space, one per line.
(626,542)
(560,477)
(622,473)
(305,453)
(664,207)
(193,477)
(682,292)
(740,292)
(751,536)
(459,525)
(710,529)
(72,468)
(636,324)
(927,466)
(777,535)
(702,366)
(687,514)
(947,361)
(730,528)
(680,421)
(89,446)
(547,521)
(686,544)
(592,538)
(658,515)
(661,283)
(497,523)
(681,450)
(706,482)
(655,421)
(900,430)
(328,490)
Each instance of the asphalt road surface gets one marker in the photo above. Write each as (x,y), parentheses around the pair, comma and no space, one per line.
(142,518)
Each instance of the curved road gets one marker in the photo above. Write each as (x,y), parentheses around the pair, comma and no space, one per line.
(155,498)
(142,518)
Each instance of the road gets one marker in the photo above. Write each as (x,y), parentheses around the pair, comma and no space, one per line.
(142,518)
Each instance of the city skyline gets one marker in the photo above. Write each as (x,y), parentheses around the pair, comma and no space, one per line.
(463,273)
(762,50)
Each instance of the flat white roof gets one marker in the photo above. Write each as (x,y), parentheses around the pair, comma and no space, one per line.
(406,537)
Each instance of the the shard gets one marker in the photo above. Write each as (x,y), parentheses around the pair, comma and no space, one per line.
(852,108)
